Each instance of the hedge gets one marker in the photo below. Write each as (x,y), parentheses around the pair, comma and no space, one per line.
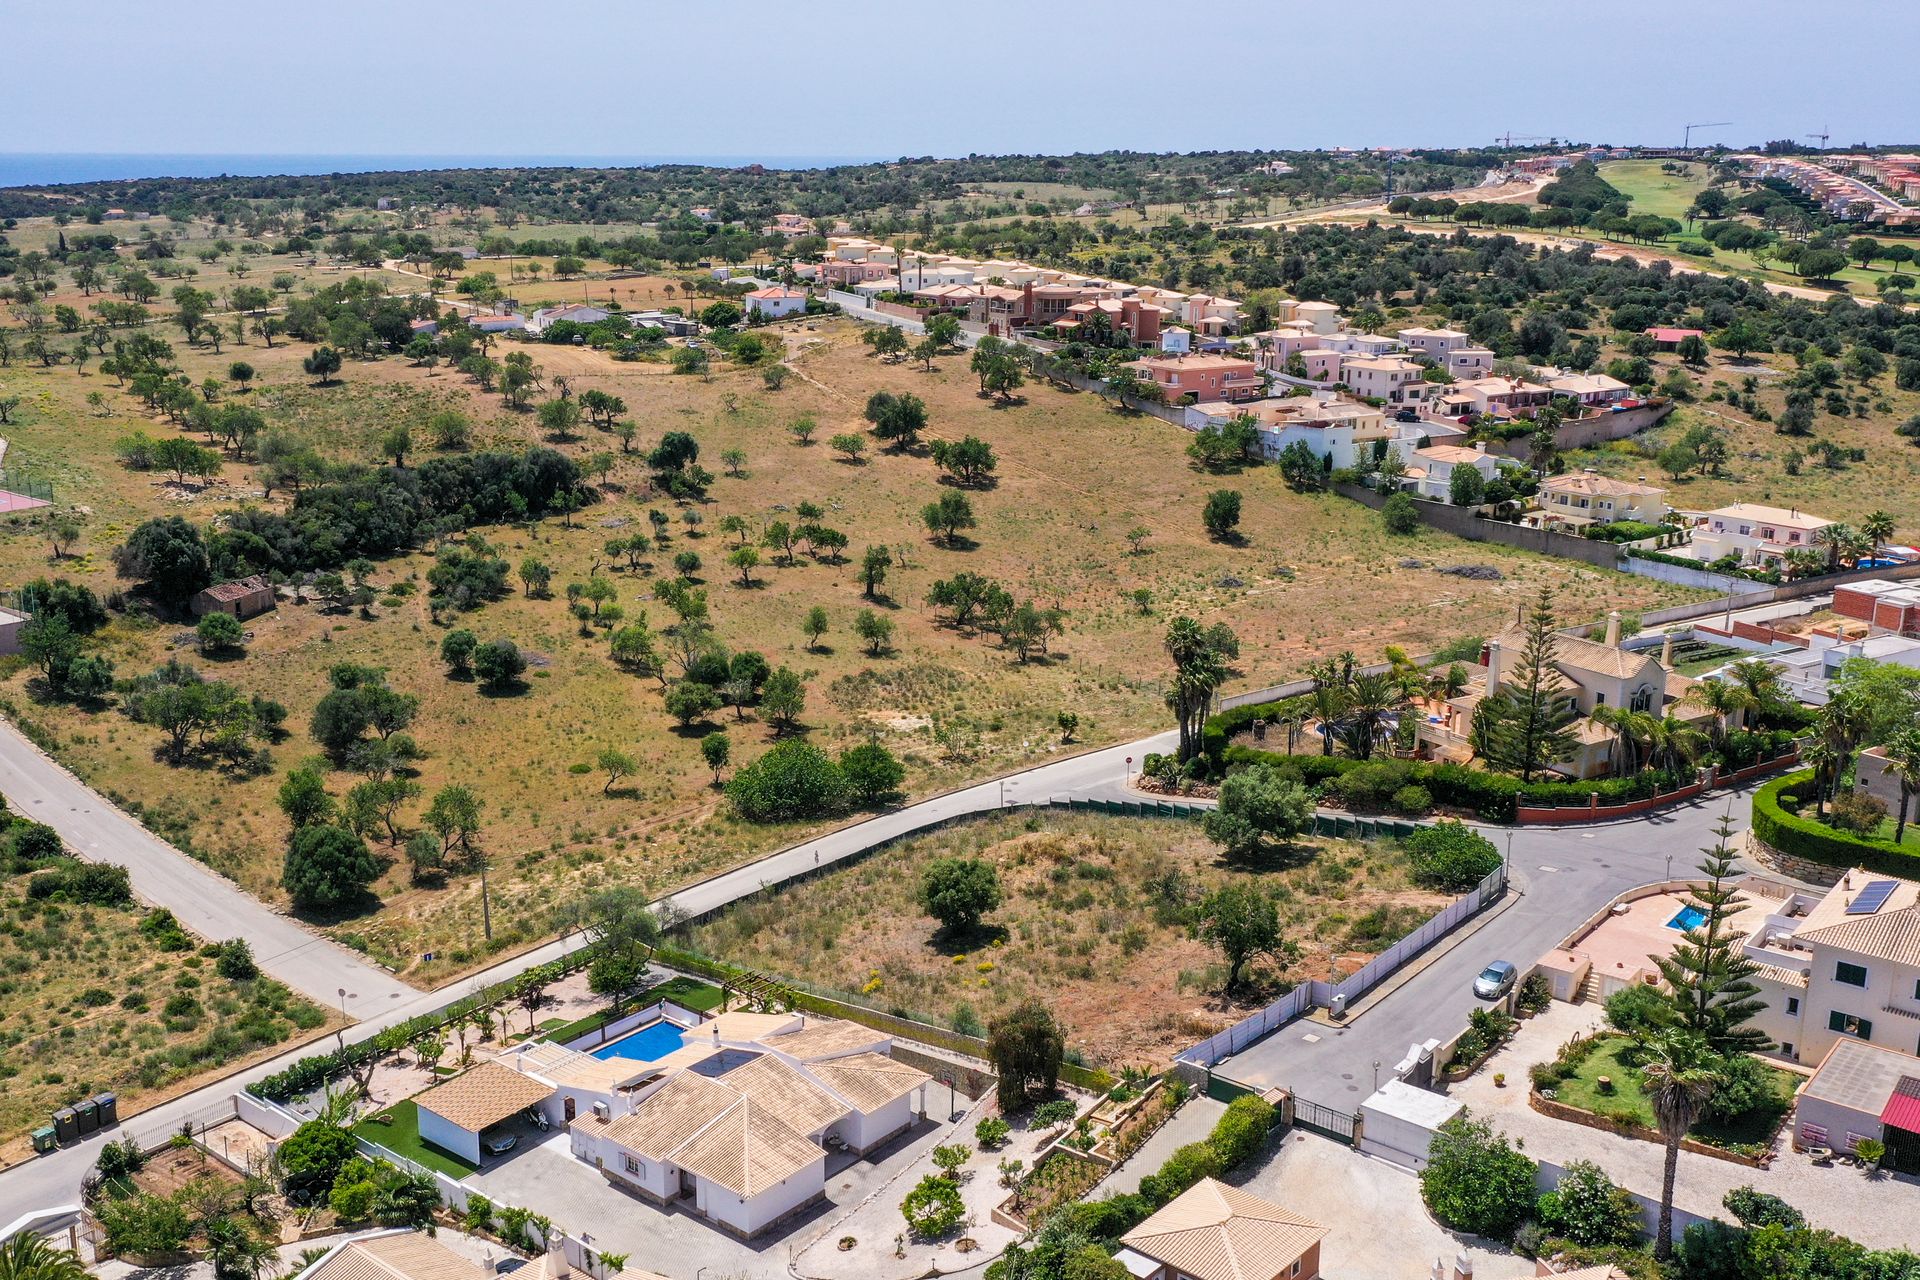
(1237,1136)
(1800,837)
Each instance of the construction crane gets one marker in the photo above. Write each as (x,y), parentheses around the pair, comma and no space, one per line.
(1508,139)
(1686,139)
(1823,139)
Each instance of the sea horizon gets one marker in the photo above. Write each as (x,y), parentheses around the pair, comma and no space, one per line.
(53,168)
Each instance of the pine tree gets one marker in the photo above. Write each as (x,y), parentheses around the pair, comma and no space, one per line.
(1707,975)
(1533,714)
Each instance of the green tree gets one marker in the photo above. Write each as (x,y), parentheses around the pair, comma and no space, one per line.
(873,774)
(616,764)
(169,555)
(327,867)
(959,891)
(1400,515)
(1026,1046)
(303,797)
(30,1256)
(457,649)
(499,664)
(1677,1074)
(814,626)
(874,564)
(1708,976)
(1531,715)
(1243,923)
(934,1207)
(946,516)
(1200,666)
(793,780)
(1221,515)
(716,749)
(220,633)
(454,816)
(874,631)
(322,365)
(1259,806)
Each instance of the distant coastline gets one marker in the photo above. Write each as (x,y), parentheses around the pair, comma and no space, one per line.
(24,169)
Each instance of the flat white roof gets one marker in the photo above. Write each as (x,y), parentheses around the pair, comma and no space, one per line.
(1403,1101)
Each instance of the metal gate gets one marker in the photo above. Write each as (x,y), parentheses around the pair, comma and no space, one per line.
(1326,1121)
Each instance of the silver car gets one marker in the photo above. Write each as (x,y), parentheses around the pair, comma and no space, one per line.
(1495,980)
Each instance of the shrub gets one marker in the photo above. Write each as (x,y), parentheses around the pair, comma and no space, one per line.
(1400,516)
(1056,1111)
(1475,1181)
(1856,812)
(1758,1209)
(313,1155)
(1186,1166)
(1242,1131)
(1744,1086)
(992,1132)
(100,884)
(1412,801)
(1536,993)
(1639,1010)
(1588,1209)
(1451,857)
(234,961)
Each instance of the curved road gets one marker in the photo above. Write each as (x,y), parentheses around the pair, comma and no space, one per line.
(1563,875)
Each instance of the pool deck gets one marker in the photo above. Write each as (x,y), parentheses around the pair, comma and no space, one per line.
(1621,944)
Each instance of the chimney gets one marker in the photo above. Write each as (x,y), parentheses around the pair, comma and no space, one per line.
(557,1266)
(1493,665)
(1666,651)
(1462,1267)
(1613,629)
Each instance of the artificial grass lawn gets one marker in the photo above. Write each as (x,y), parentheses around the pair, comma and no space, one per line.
(402,1137)
(1627,1102)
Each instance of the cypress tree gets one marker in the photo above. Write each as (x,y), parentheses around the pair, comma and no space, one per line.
(1707,975)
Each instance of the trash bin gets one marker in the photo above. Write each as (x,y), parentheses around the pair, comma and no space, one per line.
(109,1107)
(44,1140)
(66,1125)
(88,1116)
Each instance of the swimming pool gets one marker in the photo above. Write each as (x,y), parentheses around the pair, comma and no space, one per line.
(1690,917)
(648,1044)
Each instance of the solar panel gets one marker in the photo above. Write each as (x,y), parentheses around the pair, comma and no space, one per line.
(1872,898)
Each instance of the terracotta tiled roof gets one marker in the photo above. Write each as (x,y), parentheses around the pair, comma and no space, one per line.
(1886,934)
(747,1149)
(407,1255)
(824,1038)
(1581,655)
(868,1080)
(672,1115)
(483,1095)
(1213,1231)
(786,1092)
(1593,484)
(238,589)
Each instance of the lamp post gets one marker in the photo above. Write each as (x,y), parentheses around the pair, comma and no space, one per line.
(1669,866)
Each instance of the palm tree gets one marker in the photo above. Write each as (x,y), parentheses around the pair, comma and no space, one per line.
(1837,538)
(30,1257)
(1725,699)
(1902,751)
(1761,680)
(238,1251)
(1674,743)
(1636,730)
(1878,528)
(1678,1081)
(1370,700)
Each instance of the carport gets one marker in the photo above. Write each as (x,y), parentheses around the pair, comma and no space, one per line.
(453,1115)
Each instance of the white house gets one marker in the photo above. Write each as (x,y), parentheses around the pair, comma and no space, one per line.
(1430,470)
(577,312)
(1323,316)
(775,301)
(1469,362)
(453,1115)
(1351,342)
(1587,497)
(497,322)
(1176,341)
(1336,430)
(1756,534)
(1592,389)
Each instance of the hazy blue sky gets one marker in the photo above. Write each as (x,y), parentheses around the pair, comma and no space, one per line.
(872,77)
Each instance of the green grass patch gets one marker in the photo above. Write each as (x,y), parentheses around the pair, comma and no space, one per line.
(1627,1103)
(402,1137)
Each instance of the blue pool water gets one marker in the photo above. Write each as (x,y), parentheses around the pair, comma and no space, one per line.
(654,1041)
(1689,918)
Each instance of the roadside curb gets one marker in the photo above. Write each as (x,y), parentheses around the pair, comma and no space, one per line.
(1419,964)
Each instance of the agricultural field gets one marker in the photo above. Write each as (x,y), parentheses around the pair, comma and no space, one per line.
(97,997)
(1312,573)
(1095,916)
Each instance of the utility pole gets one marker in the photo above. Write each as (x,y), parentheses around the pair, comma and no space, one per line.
(486,907)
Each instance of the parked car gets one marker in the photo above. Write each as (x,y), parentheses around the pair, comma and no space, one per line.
(1495,980)
(500,1143)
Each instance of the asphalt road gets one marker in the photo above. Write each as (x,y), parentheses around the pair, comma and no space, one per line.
(204,901)
(1563,875)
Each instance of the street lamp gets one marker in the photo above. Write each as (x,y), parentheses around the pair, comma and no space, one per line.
(1669,866)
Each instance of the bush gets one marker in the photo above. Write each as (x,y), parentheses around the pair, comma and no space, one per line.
(327,867)
(1242,1131)
(1055,1111)
(1639,1011)
(1412,801)
(1475,1181)
(1186,1166)
(1856,812)
(99,884)
(992,1132)
(313,1155)
(234,961)
(1744,1086)
(1758,1209)
(1451,857)
(1400,515)
(1588,1209)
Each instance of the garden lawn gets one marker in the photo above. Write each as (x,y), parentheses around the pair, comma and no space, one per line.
(1628,1102)
(402,1137)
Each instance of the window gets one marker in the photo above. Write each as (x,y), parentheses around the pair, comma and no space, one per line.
(1848,1025)
(634,1166)
(1296,1268)
(1916,989)
(1854,975)
(1793,1006)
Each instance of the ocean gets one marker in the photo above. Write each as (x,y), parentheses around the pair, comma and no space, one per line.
(27,169)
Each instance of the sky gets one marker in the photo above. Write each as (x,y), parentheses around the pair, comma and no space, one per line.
(888,78)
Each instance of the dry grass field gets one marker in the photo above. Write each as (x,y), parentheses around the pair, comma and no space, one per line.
(1314,574)
(1093,918)
(91,1002)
